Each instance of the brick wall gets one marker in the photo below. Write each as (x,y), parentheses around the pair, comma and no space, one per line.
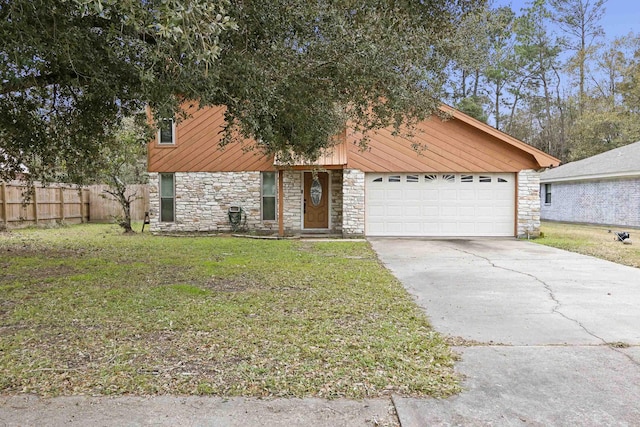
(528,203)
(607,202)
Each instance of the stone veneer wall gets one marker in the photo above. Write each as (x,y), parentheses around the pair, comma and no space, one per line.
(336,201)
(353,209)
(528,203)
(613,202)
(292,187)
(202,200)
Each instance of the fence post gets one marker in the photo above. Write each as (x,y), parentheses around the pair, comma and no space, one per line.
(86,208)
(5,207)
(35,203)
(61,204)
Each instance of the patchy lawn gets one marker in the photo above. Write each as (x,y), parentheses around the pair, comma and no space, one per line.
(592,240)
(88,310)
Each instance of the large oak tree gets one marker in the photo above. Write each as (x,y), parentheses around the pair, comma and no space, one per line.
(291,72)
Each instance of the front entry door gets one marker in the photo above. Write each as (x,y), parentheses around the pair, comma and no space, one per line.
(316,200)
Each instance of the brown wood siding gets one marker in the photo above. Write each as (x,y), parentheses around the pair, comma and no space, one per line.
(197,148)
(451,146)
(460,144)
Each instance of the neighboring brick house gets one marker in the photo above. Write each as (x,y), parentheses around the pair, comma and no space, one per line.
(470,180)
(602,189)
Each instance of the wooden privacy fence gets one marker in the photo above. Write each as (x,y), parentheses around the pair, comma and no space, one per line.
(106,208)
(60,203)
(21,205)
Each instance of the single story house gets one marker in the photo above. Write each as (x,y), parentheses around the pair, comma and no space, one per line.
(602,189)
(470,180)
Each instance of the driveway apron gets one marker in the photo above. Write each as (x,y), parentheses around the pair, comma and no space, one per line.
(548,337)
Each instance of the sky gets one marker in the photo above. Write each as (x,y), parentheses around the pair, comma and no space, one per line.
(620,16)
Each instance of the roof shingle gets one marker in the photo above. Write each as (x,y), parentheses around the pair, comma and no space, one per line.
(621,161)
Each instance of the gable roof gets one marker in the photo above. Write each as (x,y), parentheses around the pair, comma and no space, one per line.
(544,160)
(619,162)
(458,143)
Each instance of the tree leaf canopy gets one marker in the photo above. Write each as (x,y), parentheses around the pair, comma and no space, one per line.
(291,72)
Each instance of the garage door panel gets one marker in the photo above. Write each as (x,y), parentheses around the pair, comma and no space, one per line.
(429,211)
(487,194)
(395,194)
(468,227)
(440,205)
(467,211)
(449,228)
(448,194)
(484,211)
(430,194)
(467,194)
(447,211)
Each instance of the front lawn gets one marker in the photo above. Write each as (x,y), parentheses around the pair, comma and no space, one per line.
(592,240)
(87,310)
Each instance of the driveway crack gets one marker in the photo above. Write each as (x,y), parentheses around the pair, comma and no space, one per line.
(558,304)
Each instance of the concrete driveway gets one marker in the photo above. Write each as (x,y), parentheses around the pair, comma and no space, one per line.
(548,337)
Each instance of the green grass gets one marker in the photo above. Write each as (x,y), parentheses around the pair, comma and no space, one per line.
(592,240)
(88,310)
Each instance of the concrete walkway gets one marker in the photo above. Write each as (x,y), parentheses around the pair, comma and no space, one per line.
(552,337)
(172,411)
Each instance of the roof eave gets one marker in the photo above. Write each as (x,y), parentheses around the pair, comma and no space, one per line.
(591,177)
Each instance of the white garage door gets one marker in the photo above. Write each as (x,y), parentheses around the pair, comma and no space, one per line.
(440,204)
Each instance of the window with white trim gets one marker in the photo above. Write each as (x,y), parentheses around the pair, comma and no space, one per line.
(167,197)
(268,196)
(167,132)
(547,194)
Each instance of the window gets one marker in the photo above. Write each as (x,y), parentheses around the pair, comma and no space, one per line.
(502,180)
(167,132)
(412,178)
(167,197)
(268,196)
(430,178)
(394,178)
(466,178)
(547,194)
(448,178)
(378,179)
(484,178)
